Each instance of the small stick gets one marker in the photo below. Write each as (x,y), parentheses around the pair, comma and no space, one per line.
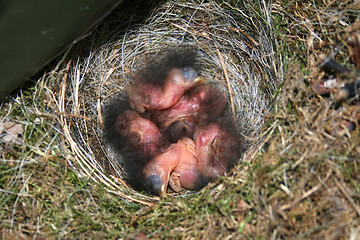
(307,194)
(227,82)
(128,197)
(348,197)
(331,63)
(98,105)
(76,92)
(63,87)
(354,48)
(246,35)
(73,115)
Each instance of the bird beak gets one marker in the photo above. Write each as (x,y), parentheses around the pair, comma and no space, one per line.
(157,171)
(162,192)
(157,184)
(164,184)
(200,80)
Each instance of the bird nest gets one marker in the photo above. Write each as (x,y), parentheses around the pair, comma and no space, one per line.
(237,53)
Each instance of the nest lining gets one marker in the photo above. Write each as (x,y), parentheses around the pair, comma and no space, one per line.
(235,44)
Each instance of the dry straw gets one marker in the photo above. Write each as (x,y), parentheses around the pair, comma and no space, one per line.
(237,52)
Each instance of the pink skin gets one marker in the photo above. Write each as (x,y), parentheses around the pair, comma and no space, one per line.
(199,104)
(177,166)
(188,105)
(218,146)
(185,174)
(209,164)
(149,97)
(140,132)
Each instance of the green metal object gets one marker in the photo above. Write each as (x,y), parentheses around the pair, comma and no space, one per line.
(33,32)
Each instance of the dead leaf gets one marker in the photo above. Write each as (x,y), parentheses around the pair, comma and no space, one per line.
(11,134)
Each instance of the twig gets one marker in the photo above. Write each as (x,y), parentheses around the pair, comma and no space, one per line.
(63,87)
(123,195)
(246,35)
(308,193)
(98,106)
(76,92)
(73,115)
(348,197)
(301,159)
(227,82)
(256,149)
(331,63)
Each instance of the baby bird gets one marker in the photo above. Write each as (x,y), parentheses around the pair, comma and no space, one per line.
(136,139)
(199,104)
(170,130)
(218,147)
(177,166)
(161,84)
(191,165)
(141,133)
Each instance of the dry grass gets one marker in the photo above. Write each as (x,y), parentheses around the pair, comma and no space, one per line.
(298,179)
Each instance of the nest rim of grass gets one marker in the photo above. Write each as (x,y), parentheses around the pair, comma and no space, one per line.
(111,67)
